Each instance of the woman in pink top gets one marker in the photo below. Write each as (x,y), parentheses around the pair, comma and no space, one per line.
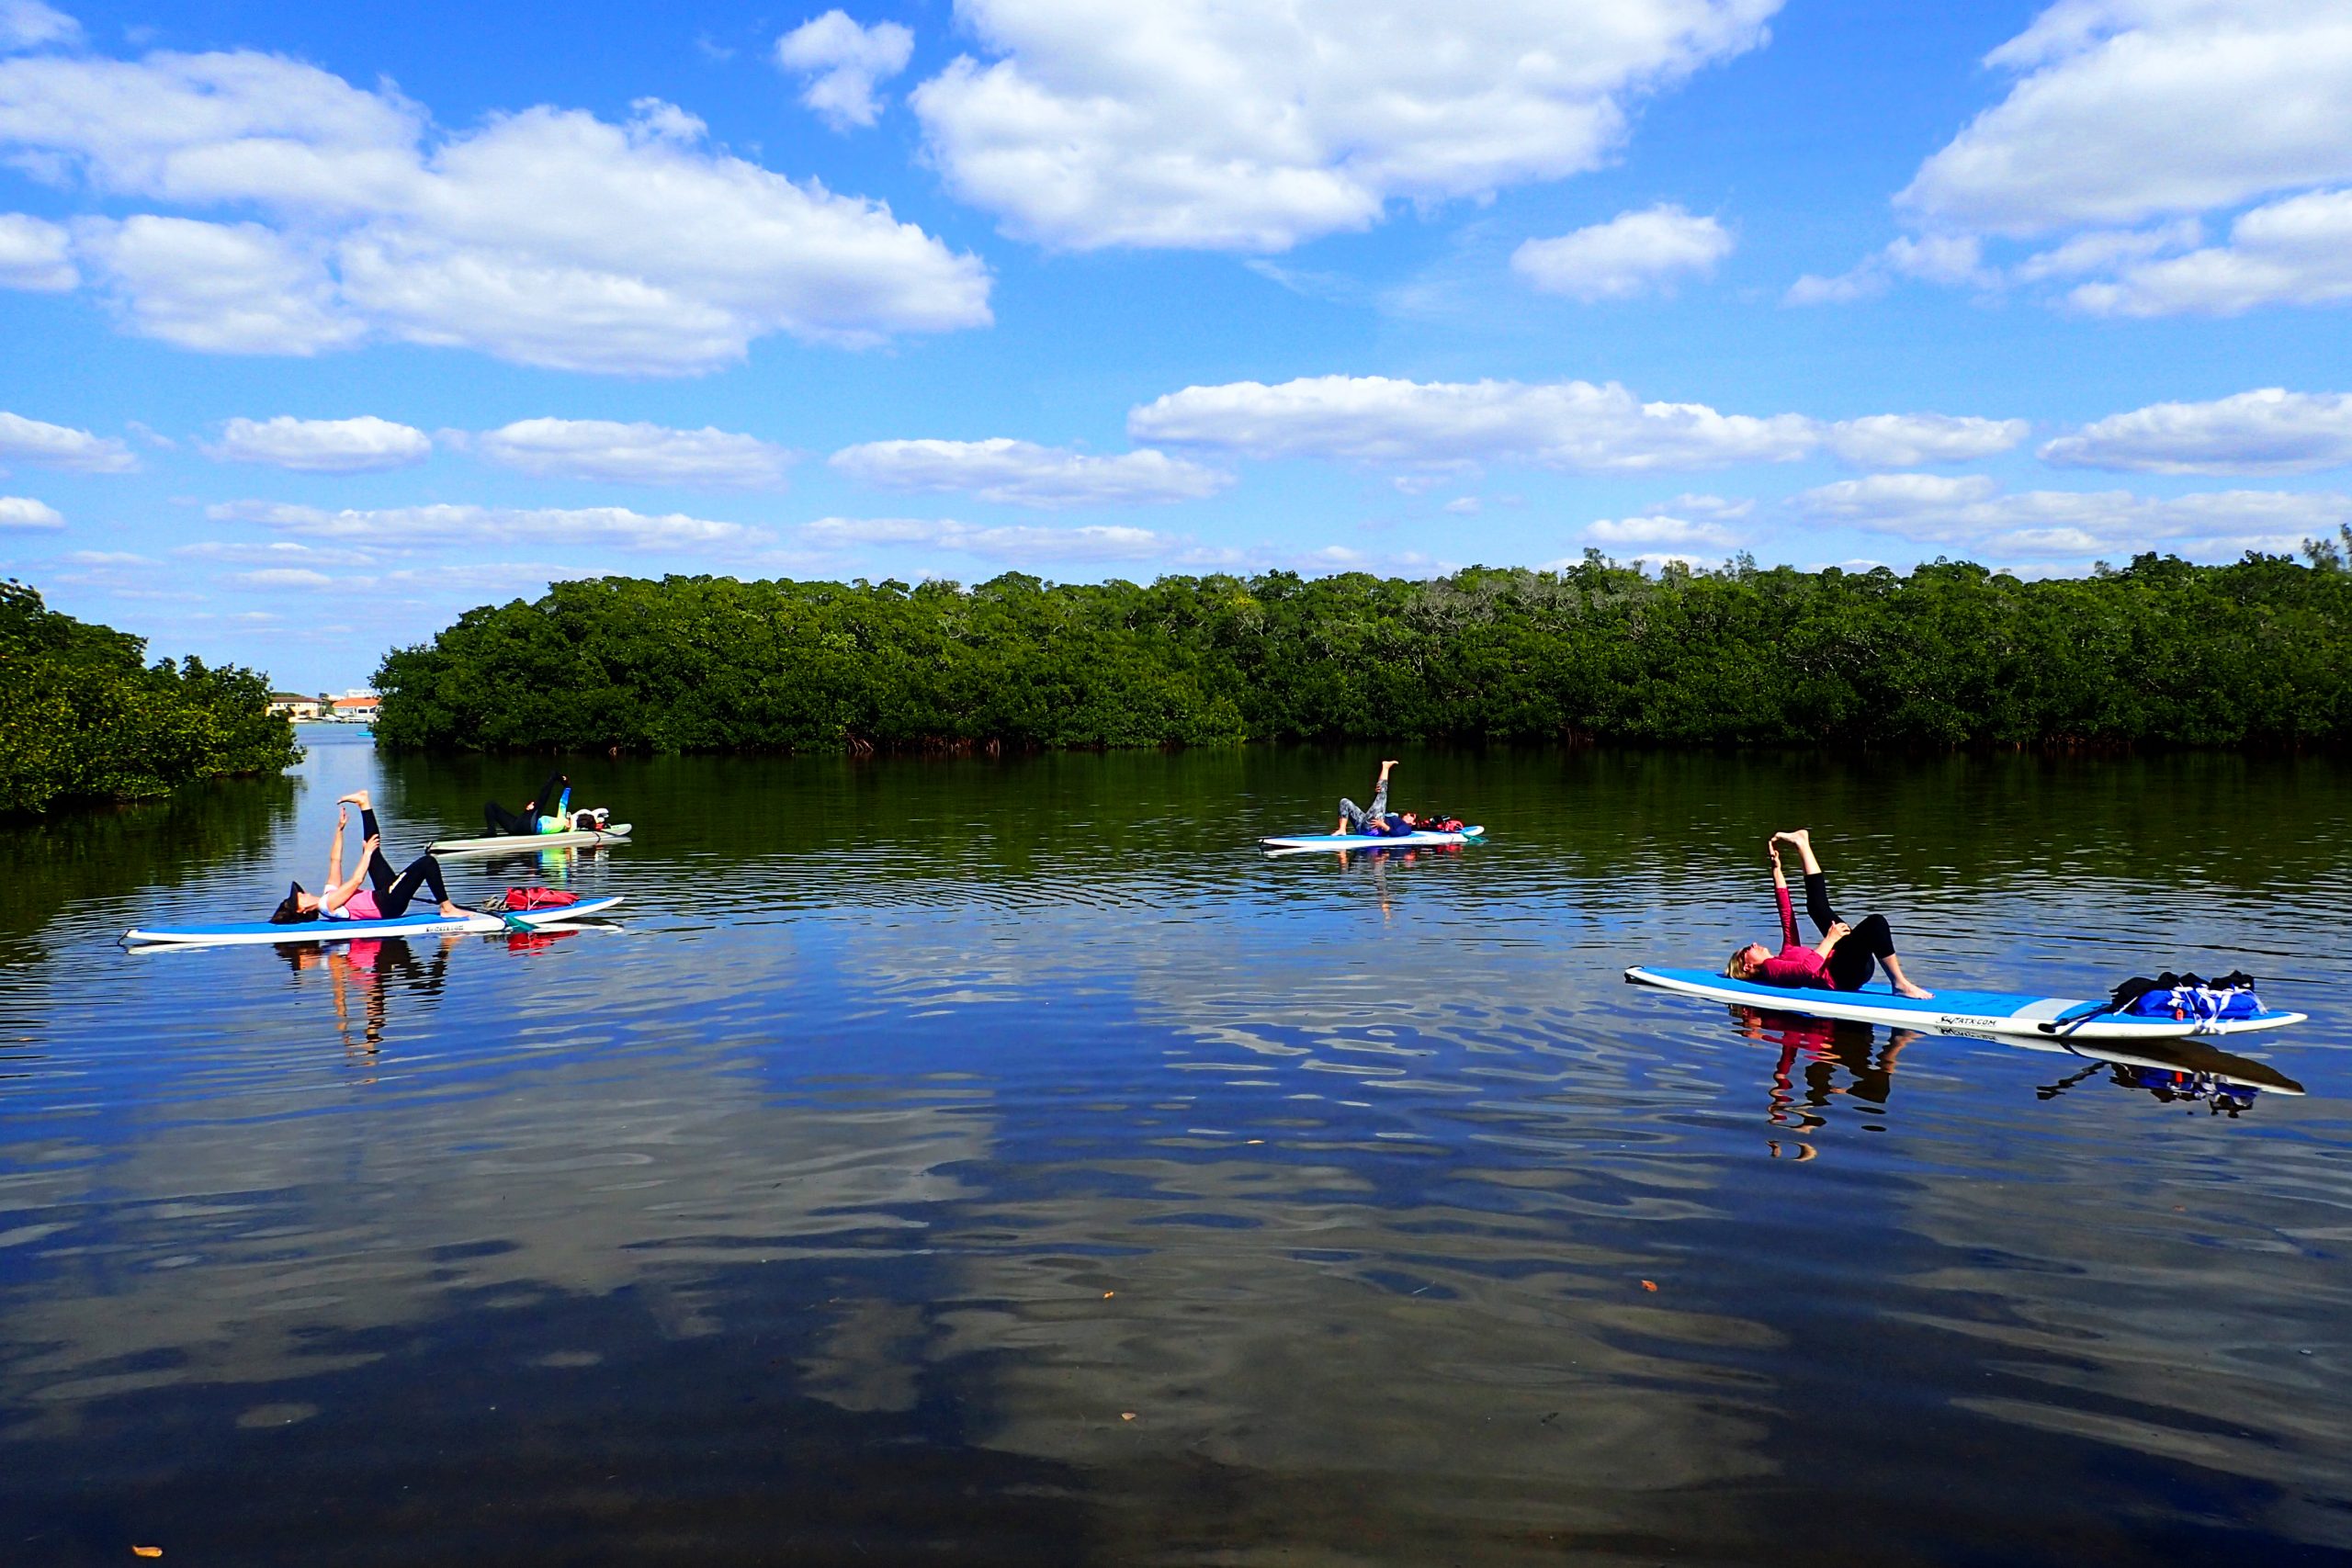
(375,891)
(1841,961)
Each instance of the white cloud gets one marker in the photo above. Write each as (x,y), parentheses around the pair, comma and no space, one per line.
(1947,259)
(1661,530)
(2297,251)
(218,287)
(842,62)
(2269,432)
(61,447)
(1017,544)
(412,527)
(2128,124)
(322,445)
(280,577)
(1021,473)
(2102,250)
(1906,440)
(1717,508)
(35,255)
(2130,110)
(1573,425)
(545,236)
(28,24)
(634,453)
(1201,124)
(24,512)
(1632,254)
(1971,513)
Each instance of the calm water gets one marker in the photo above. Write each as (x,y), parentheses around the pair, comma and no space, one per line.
(999,1161)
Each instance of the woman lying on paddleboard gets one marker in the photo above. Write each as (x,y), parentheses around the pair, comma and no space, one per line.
(1841,961)
(552,803)
(386,894)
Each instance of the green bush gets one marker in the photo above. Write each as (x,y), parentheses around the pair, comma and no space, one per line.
(83,717)
(2161,652)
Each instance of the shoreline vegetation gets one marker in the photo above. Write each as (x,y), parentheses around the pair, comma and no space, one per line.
(85,718)
(2159,654)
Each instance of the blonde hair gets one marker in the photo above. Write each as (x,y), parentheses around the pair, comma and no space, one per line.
(1736,967)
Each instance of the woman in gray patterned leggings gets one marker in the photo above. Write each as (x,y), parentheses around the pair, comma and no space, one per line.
(1372,820)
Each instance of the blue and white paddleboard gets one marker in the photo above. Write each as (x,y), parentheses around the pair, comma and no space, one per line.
(1973,1012)
(1370,840)
(428,923)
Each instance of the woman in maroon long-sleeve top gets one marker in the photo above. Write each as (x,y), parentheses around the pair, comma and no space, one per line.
(1841,960)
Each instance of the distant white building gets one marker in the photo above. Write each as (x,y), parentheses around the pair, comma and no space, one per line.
(355,707)
(293,705)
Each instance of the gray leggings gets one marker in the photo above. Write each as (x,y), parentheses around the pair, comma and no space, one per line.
(1356,814)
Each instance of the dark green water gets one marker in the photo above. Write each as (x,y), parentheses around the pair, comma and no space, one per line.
(1001,1161)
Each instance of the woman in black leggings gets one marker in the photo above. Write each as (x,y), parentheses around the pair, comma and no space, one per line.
(389,893)
(1843,959)
(498,819)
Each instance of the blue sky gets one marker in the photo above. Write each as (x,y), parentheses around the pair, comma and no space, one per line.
(325,324)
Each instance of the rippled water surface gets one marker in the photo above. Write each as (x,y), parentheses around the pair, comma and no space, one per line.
(1002,1161)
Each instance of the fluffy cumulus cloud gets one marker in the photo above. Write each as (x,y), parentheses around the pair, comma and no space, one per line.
(2127,124)
(28,24)
(1661,531)
(547,236)
(62,447)
(1971,512)
(1198,124)
(1573,425)
(2296,252)
(1632,254)
(415,527)
(1021,473)
(35,255)
(24,512)
(1019,544)
(322,445)
(2125,110)
(2269,432)
(1907,440)
(841,62)
(636,453)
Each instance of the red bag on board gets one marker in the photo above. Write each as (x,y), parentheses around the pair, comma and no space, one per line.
(523,900)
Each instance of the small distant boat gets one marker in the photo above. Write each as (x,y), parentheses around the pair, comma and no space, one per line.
(1370,840)
(2004,1013)
(514,843)
(428,923)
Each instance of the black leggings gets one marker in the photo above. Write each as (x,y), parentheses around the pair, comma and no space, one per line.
(1858,950)
(498,819)
(396,890)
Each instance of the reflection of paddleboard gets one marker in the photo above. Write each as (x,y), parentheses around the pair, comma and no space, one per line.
(2188,1056)
(2004,1013)
(509,843)
(1370,840)
(424,923)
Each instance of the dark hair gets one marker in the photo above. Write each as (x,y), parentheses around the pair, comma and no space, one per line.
(289,910)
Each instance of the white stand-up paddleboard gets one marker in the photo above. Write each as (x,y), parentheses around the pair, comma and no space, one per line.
(1972,1013)
(512,843)
(425,922)
(1370,840)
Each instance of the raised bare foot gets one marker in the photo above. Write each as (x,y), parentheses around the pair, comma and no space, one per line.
(357,797)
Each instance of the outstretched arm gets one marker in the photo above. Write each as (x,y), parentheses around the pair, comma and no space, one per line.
(1781,893)
(335,852)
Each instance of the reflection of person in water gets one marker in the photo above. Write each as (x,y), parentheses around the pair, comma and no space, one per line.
(1825,1046)
(365,966)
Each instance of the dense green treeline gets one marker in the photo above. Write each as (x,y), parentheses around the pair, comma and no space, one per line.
(83,717)
(2162,652)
